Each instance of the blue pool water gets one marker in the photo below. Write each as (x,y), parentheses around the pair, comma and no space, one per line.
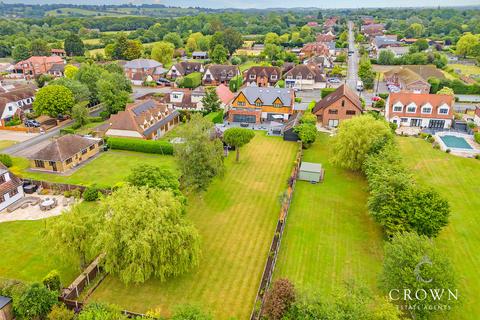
(455,142)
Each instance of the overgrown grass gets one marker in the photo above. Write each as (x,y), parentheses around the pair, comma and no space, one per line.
(458,180)
(236,218)
(329,236)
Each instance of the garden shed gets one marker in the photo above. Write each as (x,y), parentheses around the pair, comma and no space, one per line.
(6,308)
(310,171)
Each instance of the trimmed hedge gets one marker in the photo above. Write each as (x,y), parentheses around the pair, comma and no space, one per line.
(326,91)
(192,81)
(138,145)
(218,118)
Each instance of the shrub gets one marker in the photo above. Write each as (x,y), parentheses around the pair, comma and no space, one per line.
(448,151)
(477,156)
(384,96)
(235,83)
(35,302)
(279,299)
(298,99)
(52,281)
(6,160)
(218,118)
(431,139)
(147,146)
(60,312)
(192,81)
(476,136)
(95,119)
(326,91)
(436,146)
(68,130)
(91,193)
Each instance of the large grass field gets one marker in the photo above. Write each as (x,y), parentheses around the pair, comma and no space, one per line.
(236,218)
(329,237)
(466,69)
(458,180)
(107,169)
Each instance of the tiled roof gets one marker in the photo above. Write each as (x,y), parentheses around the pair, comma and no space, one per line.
(63,148)
(304,71)
(142,64)
(224,94)
(16,94)
(221,72)
(8,186)
(263,71)
(420,99)
(342,91)
(268,95)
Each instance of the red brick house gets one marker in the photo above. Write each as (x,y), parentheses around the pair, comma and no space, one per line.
(325,37)
(339,105)
(421,110)
(262,76)
(314,49)
(37,65)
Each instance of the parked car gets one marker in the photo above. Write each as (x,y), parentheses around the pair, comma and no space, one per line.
(31,123)
(244,124)
(334,80)
(376,98)
(359,85)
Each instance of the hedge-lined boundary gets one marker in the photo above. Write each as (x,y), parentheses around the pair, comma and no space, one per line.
(138,145)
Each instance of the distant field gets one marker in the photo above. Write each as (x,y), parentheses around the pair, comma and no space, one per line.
(458,180)
(78,11)
(329,236)
(466,69)
(236,219)
(91,41)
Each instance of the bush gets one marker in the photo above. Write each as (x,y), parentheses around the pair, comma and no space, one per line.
(384,96)
(68,130)
(326,91)
(95,119)
(35,303)
(278,299)
(448,151)
(60,312)
(476,136)
(91,193)
(431,139)
(147,146)
(298,99)
(235,83)
(219,117)
(192,81)
(52,281)
(6,160)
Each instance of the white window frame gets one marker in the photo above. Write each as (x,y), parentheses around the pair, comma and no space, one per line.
(410,106)
(426,107)
(273,77)
(443,108)
(252,77)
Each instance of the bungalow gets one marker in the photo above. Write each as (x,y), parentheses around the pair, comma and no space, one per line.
(257,104)
(305,77)
(11,190)
(65,152)
(15,101)
(57,70)
(36,65)
(143,119)
(406,79)
(184,68)
(339,105)
(262,76)
(422,110)
(216,74)
(397,51)
(384,41)
(139,70)
(199,55)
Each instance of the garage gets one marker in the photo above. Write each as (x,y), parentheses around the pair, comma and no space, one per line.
(310,171)
(244,118)
(274,116)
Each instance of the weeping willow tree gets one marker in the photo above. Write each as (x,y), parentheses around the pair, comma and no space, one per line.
(145,235)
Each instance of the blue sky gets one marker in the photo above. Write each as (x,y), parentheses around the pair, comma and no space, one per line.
(270,3)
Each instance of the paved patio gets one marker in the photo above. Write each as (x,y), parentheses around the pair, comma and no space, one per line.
(34,212)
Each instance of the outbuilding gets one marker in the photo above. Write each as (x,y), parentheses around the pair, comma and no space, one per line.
(6,308)
(310,171)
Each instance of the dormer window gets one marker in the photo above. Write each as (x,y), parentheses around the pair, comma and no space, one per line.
(273,77)
(277,104)
(443,111)
(427,110)
(411,108)
(252,77)
(299,77)
(398,108)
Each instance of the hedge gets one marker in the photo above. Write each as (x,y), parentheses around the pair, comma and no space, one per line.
(218,118)
(147,146)
(68,130)
(458,86)
(327,91)
(192,81)
(235,83)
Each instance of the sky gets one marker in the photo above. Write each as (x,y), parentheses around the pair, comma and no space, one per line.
(262,4)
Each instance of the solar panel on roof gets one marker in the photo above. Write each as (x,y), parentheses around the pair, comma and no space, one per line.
(144,106)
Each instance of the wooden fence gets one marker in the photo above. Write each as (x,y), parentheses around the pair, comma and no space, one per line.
(55,185)
(277,239)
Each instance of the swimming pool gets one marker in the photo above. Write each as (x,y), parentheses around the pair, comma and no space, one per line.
(455,142)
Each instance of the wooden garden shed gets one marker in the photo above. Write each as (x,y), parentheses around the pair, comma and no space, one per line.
(6,308)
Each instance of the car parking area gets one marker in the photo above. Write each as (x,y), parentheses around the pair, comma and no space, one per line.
(17,136)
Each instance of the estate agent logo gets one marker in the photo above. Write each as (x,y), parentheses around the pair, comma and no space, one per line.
(418,270)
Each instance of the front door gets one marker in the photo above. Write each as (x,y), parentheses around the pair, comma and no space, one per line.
(54,165)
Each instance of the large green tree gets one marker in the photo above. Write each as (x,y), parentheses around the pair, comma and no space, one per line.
(145,235)
(35,302)
(73,45)
(356,138)
(211,102)
(200,155)
(112,93)
(39,47)
(163,52)
(80,114)
(20,52)
(80,91)
(219,54)
(419,276)
(53,100)
(238,137)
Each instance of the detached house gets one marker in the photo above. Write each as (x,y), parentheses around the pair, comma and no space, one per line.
(37,65)
(139,70)
(422,110)
(262,76)
(15,101)
(184,68)
(144,119)
(216,74)
(185,99)
(406,79)
(305,77)
(325,37)
(372,30)
(11,189)
(257,104)
(65,152)
(315,49)
(339,105)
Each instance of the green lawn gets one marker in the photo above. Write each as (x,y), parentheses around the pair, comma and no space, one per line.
(329,237)
(250,64)
(458,180)
(236,218)
(107,169)
(27,256)
(466,69)
(6,143)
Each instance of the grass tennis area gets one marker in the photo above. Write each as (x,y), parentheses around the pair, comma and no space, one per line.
(329,237)
(458,180)
(107,169)
(236,218)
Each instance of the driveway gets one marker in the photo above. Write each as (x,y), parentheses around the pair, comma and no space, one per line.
(141,91)
(16,135)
